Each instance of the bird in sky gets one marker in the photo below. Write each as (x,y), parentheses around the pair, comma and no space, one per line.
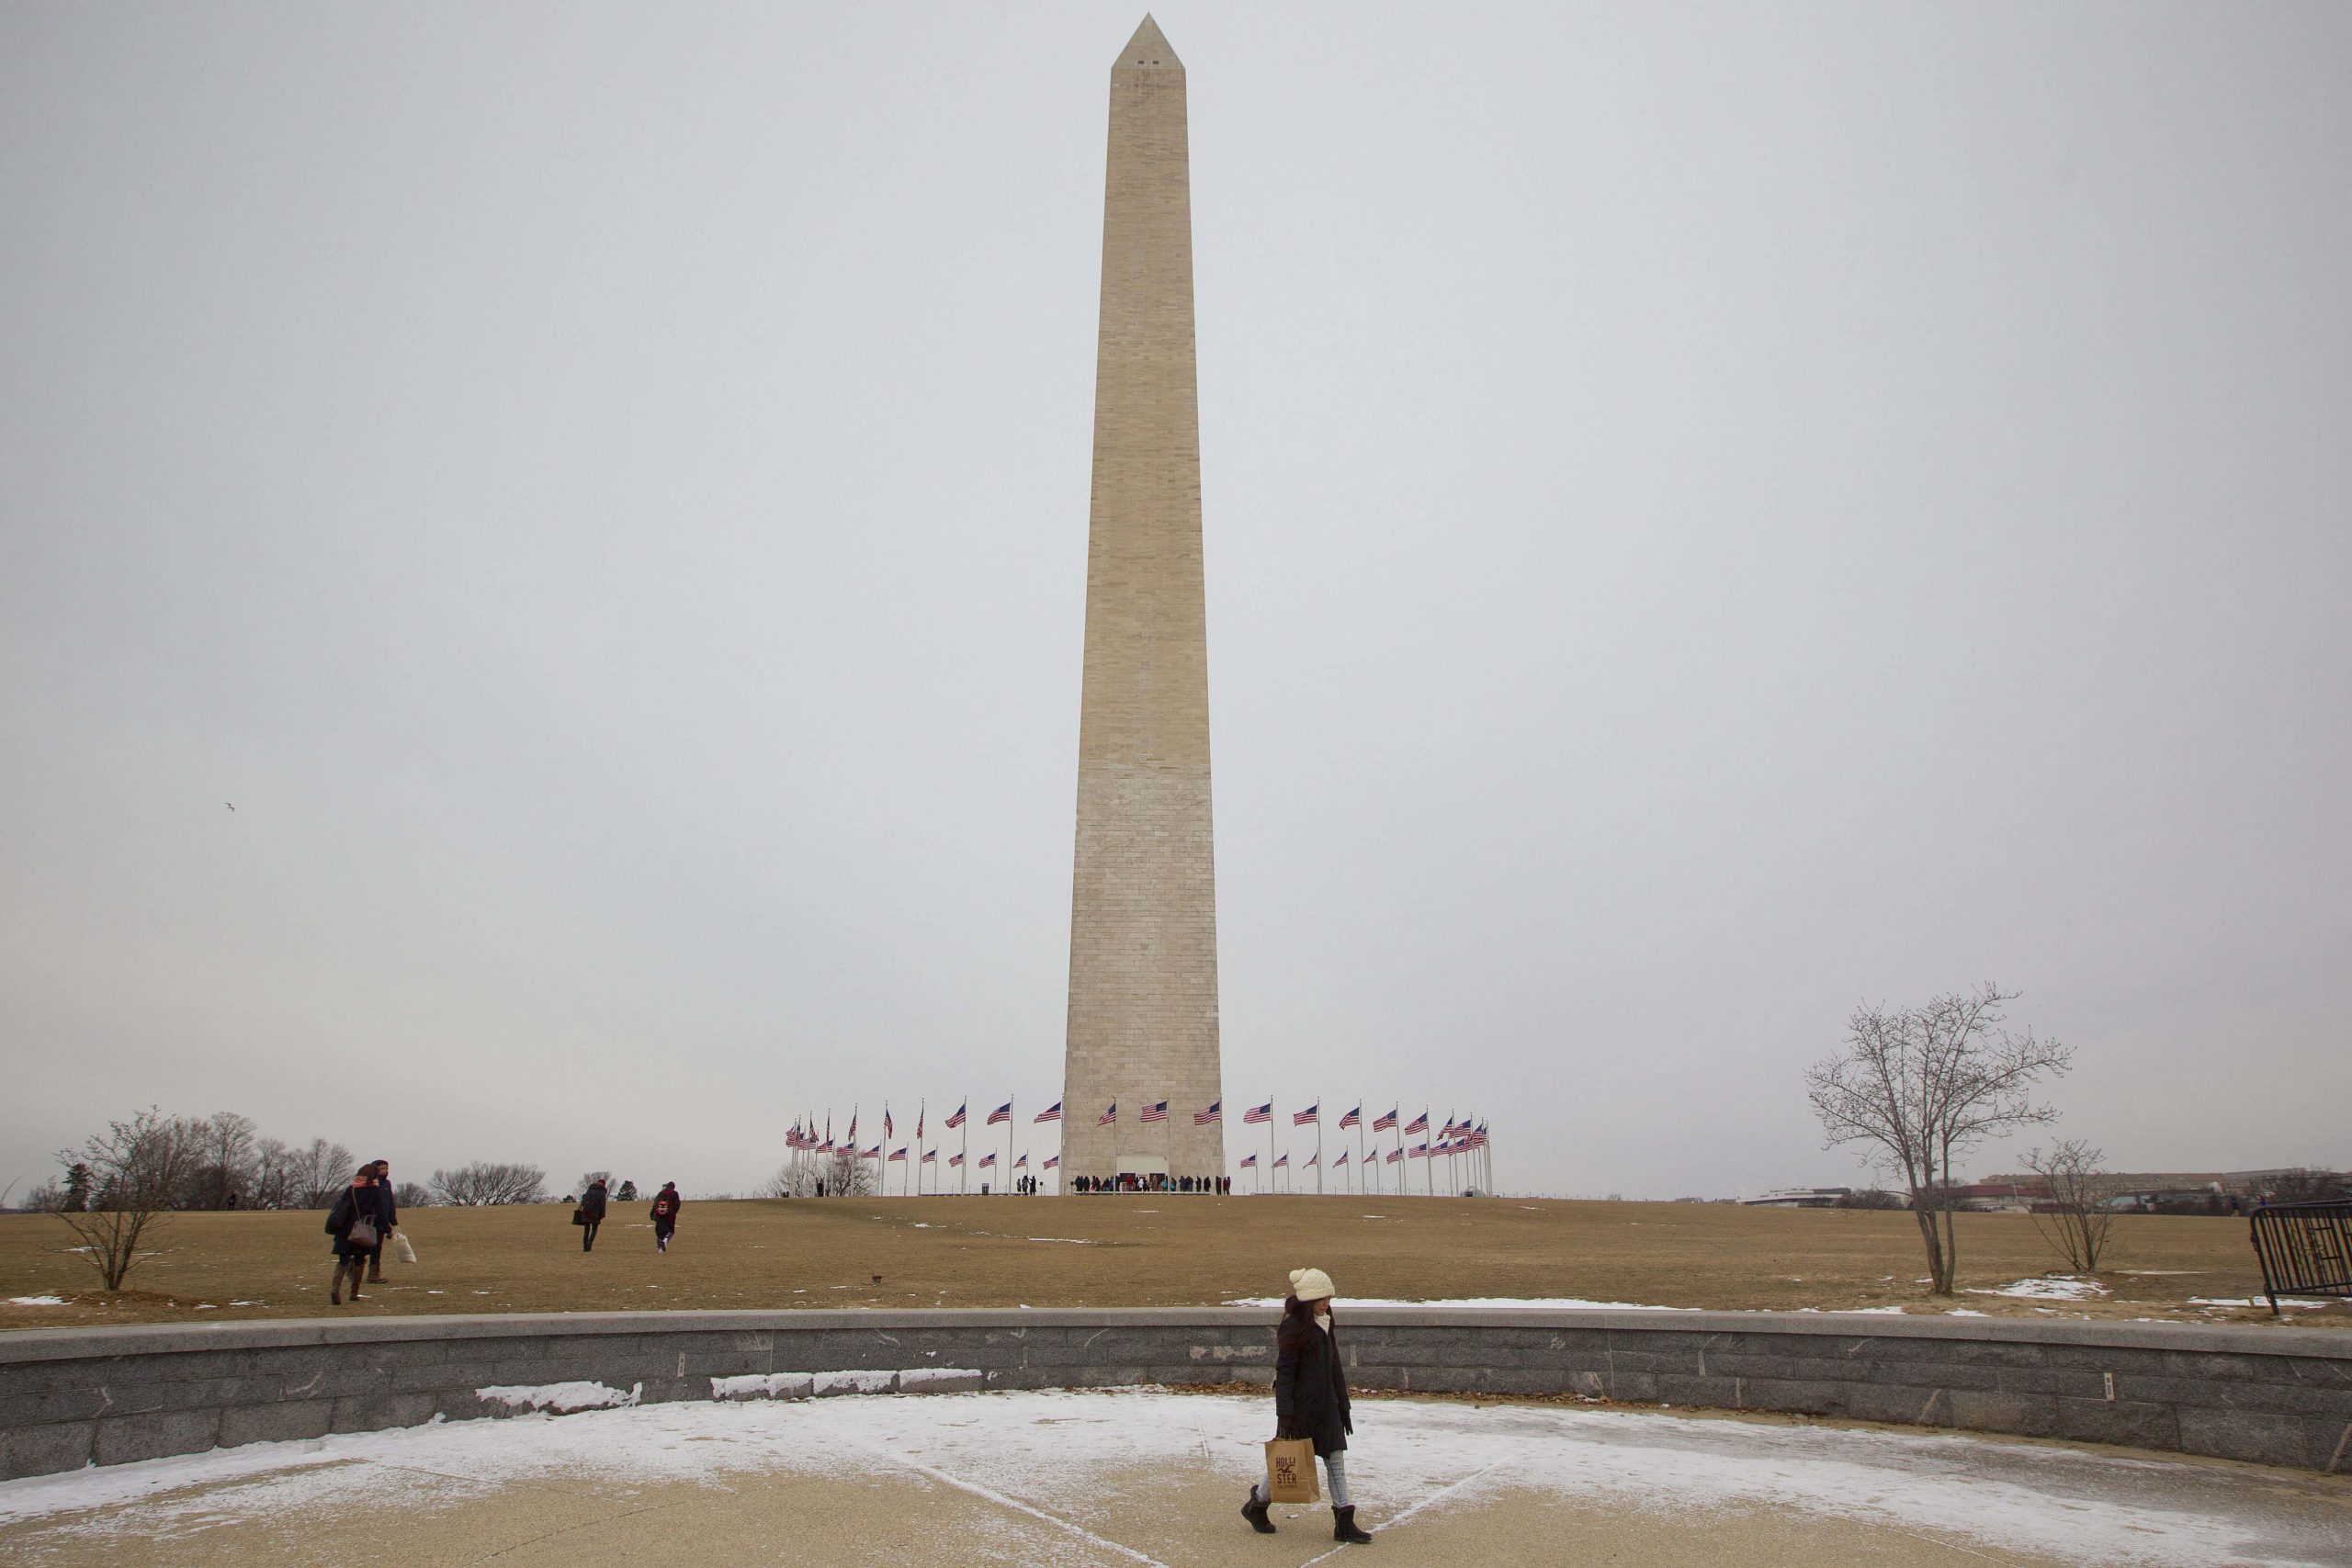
(230,804)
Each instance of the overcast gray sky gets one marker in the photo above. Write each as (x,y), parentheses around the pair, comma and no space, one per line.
(1713,514)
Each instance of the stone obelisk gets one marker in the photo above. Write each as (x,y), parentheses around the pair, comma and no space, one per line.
(1143,1021)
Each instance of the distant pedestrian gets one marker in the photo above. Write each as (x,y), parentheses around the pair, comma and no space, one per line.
(389,1217)
(592,1213)
(1311,1399)
(666,1204)
(352,1233)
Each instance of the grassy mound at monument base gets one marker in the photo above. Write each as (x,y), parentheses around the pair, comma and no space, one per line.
(1165,1250)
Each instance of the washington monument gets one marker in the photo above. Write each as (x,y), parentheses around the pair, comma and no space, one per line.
(1143,1023)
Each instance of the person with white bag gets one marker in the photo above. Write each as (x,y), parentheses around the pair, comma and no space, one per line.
(1311,1401)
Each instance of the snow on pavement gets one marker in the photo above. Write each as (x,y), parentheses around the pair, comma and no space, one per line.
(2076,1504)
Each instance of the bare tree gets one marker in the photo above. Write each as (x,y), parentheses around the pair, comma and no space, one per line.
(2306,1184)
(412,1195)
(48,1197)
(844,1176)
(484,1182)
(589,1178)
(273,1165)
(2075,1219)
(139,1169)
(319,1173)
(224,1167)
(1921,1085)
(792,1180)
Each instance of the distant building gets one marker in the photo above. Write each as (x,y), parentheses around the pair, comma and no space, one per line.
(1799,1198)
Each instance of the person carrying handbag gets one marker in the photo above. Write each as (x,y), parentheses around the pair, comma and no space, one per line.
(352,1232)
(1311,1400)
(590,1214)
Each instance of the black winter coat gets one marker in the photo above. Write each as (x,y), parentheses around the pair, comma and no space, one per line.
(355,1204)
(591,1202)
(1311,1386)
(666,1205)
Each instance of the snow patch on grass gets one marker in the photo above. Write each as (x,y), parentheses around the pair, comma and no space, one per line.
(2051,1287)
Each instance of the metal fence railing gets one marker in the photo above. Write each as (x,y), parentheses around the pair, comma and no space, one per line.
(2305,1248)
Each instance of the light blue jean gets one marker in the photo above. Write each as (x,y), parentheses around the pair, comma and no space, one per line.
(1334,1471)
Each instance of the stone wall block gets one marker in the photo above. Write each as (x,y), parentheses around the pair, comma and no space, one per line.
(1979,1410)
(124,1439)
(1676,1387)
(46,1449)
(374,1412)
(2127,1422)
(282,1422)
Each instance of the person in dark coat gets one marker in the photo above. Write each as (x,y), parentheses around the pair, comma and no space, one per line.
(387,1216)
(666,1204)
(592,1210)
(354,1203)
(1311,1400)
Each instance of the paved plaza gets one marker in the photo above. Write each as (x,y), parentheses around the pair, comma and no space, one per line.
(1144,1476)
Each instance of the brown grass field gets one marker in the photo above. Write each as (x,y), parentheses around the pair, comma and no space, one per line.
(1125,1251)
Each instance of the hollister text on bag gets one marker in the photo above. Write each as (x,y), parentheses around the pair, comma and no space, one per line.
(1290,1470)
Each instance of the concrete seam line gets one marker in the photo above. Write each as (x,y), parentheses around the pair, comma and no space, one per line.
(1439,1495)
(976,1490)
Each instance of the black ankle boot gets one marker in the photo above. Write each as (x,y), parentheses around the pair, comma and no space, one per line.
(1254,1510)
(1343,1528)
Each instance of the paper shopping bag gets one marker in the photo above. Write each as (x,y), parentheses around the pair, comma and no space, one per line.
(1290,1470)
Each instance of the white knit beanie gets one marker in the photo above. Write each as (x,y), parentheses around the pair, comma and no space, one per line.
(1310,1284)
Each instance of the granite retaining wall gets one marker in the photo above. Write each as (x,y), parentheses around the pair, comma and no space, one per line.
(73,1397)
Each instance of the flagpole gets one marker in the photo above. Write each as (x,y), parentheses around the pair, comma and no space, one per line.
(1270,1143)
(1318,1148)
(965,1189)
(1011,1119)
(1359,1152)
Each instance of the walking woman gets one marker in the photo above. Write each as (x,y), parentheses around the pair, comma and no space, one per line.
(352,1245)
(1311,1399)
(592,1213)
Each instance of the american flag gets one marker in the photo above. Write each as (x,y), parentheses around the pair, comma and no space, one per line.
(885,1122)
(1342,1159)
(1051,1113)
(874,1153)
(957,1120)
(919,1111)
(987,1160)
(954,1160)
(930,1157)
(825,1147)
(1215,1113)
(1155,1112)
(1420,1124)
(1352,1118)
(1248,1161)
(1382,1123)
(849,1137)
(1312,1158)
(1420,1151)
(1263,1114)
(1307,1117)
(1022,1163)
(1282,1162)
(897,1156)
(1108,1117)
(1001,1113)
(1392,1156)
(1053,1162)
